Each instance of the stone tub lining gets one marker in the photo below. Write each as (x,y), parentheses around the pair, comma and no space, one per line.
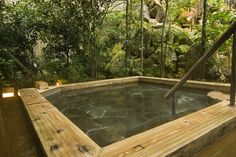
(181,137)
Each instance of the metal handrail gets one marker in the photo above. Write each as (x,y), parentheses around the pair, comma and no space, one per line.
(231,30)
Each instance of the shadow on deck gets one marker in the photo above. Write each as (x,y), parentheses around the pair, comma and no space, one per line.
(224,147)
(16,132)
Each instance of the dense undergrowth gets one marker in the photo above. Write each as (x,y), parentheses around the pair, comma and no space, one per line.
(82,40)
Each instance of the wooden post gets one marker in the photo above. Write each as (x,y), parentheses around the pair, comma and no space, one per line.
(233,72)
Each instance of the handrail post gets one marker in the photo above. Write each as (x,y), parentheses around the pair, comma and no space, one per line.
(233,71)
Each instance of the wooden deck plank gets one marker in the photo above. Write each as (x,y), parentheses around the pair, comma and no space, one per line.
(190,83)
(177,134)
(189,135)
(60,137)
(99,83)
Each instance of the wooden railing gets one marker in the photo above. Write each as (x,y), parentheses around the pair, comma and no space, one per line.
(231,31)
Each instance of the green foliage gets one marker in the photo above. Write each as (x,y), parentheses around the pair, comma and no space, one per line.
(184,48)
(116,66)
(68,27)
(56,69)
(219,19)
(17,38)
(85,40)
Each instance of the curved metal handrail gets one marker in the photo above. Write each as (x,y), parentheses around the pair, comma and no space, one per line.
(231,30)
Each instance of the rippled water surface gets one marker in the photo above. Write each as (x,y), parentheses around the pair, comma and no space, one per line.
(110,114)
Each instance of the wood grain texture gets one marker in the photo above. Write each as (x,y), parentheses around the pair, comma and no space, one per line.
(58,135)
(41,85)
(224,87)
(186,135)
(170,137)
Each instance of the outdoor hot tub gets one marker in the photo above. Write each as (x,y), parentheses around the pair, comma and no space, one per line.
(128,117)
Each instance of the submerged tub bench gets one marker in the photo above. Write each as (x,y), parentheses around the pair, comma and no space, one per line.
(59,137)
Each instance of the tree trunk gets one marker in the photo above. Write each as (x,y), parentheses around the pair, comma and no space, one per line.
(131,13)
(162,69)
(141,14)
(204,37)
(166,46)
(67,57)
(127,34)
(27,71)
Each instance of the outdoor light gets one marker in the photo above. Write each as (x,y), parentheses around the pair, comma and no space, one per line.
(7,92)
(6,95)
(58,83)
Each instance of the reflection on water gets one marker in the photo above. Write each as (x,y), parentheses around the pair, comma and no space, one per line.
(110,114)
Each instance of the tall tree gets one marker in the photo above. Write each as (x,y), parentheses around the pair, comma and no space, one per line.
(141,14)
(127,32)
(204,36)
(73,28)
(204,23)
(163,37)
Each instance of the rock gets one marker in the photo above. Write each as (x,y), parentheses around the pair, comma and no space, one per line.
(181,36)
(152,70)
(157,10)
(136,63)
(193,55)
(181,58)
(223,77)
(153,59)
(136,49)
(118,6)
(156,37)
(149,51)
(181,61)
(146,13)
(149,61)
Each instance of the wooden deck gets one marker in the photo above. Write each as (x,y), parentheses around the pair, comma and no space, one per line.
(58,135)
(16,131)
(181,137)
(224,147)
